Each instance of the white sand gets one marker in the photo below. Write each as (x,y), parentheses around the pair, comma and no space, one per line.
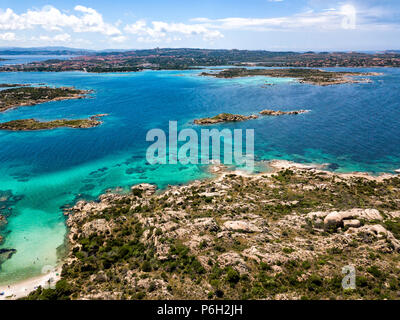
(22,289)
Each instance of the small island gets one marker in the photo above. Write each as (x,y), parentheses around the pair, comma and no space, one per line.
(274,113)
(34,125)
(11,85)
(228,117)
(309,76)
(224,117)
(30,96)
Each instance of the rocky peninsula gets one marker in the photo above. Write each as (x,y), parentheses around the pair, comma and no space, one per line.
(284,234)
(30,96)
(33,125)
(309,76)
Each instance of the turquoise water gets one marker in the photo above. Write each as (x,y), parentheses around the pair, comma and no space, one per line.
(352,127)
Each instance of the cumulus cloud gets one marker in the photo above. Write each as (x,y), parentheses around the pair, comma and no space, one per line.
(52,19)
(163,30)
(119,39)
(7,36)
(62,37)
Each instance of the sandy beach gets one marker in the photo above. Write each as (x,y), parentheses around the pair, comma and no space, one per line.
(23,288)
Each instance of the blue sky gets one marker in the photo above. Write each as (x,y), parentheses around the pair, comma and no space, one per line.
(253,24)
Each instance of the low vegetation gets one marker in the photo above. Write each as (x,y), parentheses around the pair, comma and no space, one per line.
(236,237)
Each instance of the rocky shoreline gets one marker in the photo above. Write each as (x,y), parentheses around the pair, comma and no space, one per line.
(285,234)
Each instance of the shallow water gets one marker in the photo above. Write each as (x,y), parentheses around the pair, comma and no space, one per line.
(353,127)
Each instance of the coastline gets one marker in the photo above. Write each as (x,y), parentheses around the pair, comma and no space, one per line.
(219,171)
(22,288)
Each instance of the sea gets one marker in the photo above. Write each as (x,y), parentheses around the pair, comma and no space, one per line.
(351,127)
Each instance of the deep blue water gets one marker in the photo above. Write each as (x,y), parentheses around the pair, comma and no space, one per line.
(354,126)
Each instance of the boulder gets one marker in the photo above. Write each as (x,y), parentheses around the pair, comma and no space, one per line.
(394,214)
(352,223)
(241,226)
(336,219)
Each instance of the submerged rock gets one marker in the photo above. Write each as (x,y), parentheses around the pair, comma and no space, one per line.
(6,254)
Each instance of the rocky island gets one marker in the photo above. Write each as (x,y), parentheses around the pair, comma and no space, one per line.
(310,76)
(228,117)
(11,85)
(274,113)
(224,117)
(284,234)
(30,96)
(33,125)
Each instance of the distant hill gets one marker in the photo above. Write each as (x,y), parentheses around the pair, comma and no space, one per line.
(43,51)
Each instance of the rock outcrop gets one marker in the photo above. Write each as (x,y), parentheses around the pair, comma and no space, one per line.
(336,219)
(282,113)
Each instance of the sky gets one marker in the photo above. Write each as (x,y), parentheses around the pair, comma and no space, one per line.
(276,25)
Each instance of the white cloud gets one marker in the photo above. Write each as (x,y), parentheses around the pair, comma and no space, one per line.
(347,16)
(62,37)
(344,17)
(52,19)
(8,36)
(119,39)
(164,30)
